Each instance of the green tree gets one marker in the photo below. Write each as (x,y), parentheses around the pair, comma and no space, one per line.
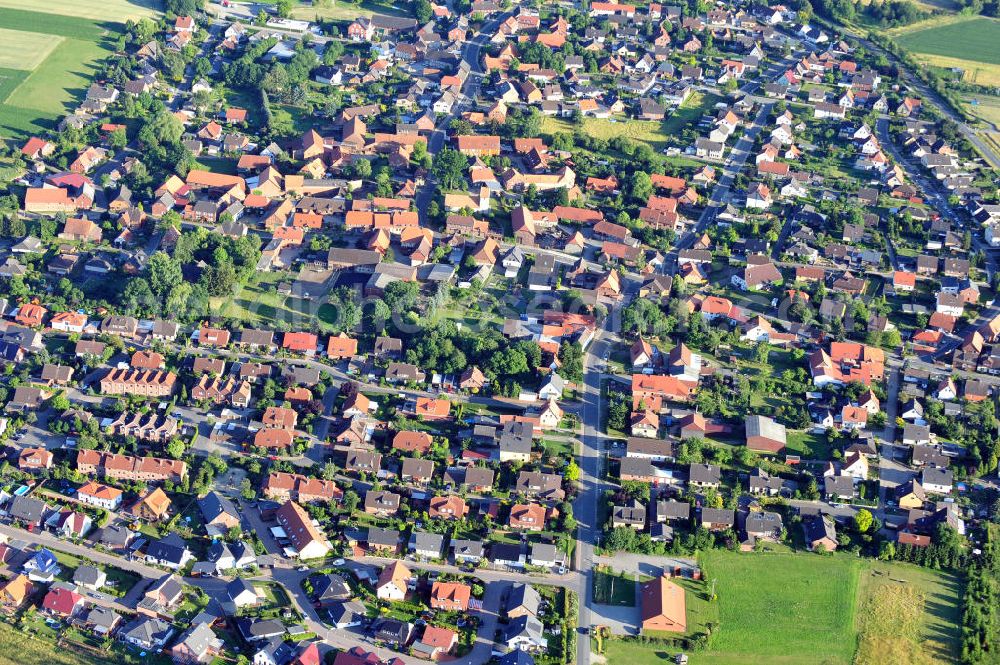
(175,448)
(283,8)
(863,520)
(163,273)
(641,186)
(571,359)
(422,10)
(350,501)
(449,167)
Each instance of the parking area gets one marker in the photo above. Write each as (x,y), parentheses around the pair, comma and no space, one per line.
(229,482)
(620,620)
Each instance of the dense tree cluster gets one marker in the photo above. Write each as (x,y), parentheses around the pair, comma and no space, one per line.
(980,622)
(225,263)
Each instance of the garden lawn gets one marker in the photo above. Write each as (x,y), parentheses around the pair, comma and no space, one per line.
(781,608)
(689,113)
(18,648)
(808,445)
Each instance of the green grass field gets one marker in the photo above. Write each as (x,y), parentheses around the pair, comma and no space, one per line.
(787,609)
(986,107)
(48,57)
(648,131)
(341,10)
(688,113)
(782,608)
(656,134)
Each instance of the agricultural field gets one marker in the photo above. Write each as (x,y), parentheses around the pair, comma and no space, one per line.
(49,55)
(25,50)
(116,11)
(964,42)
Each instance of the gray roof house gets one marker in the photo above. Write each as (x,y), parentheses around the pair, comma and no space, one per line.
(426,544)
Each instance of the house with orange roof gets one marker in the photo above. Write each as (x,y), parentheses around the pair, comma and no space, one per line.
(36,148)
(279,417)
(853,417)
(655,388)
(475,145)
(393,582)
(435,643)
(33,459)
(152,506)
(300,342)
(308,541)
(81,230)
(527,516)
(847,362)
(213,337)
(235,115)
(30,315)
(357,405)
(289,236)
(341,347)
(450,596)
(663,606)
(15,591)
(604,186)
(73,322)
(447,508)
(100,495)
(903,282)
(409,441)
(281,486)
(714,307)
(429,408)
(51,200)
(274,439)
